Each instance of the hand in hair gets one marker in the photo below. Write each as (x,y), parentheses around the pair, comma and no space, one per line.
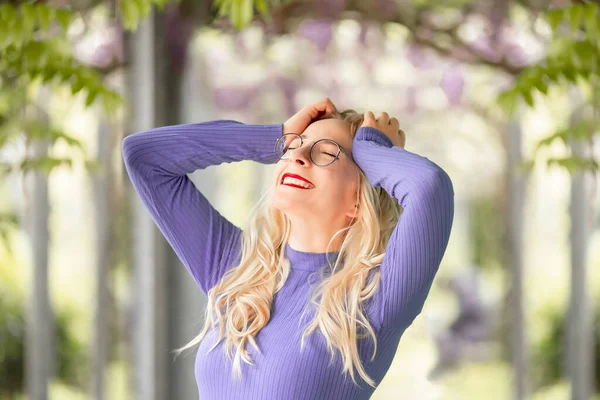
(300,121)
(390,127)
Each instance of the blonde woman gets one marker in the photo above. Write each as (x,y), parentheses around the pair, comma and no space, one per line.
(310,301)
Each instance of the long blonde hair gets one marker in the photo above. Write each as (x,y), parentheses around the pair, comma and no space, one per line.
(241,300)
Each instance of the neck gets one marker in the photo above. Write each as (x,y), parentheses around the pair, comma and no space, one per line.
(304,237)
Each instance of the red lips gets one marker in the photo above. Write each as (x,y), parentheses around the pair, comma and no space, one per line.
(297,177)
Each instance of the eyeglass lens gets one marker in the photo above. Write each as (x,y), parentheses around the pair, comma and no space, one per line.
(323,152)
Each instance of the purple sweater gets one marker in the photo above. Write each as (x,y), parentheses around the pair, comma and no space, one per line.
(157,162)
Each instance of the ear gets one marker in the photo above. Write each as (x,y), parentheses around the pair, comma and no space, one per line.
(354,212)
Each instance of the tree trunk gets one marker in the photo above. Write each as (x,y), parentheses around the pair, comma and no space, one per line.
(187,103)
(516,184)
(39,349)
(580,329)
(148,286)
(102,184)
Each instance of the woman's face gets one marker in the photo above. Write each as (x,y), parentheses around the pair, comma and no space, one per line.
(332,195)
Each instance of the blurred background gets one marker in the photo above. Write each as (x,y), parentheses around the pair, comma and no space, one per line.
(503,94)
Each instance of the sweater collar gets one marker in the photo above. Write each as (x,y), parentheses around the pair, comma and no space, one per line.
(301,260)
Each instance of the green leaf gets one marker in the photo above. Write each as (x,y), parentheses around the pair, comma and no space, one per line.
(64,17)
(575,13)
(574,163)
(247,13)
(527,96)
(92,165)
(525,91)
(130,14)
(45,164)
(582,55)
(9,219)
(144,8)
(111,101)
(218,4)
(5,36)
(567,163)
(77,86)
(541,85)
(235,13)
(263,7)
(555,17)
(44,16)
(71,141)
(561,135)
(8,13)
(162,3)
(507,101)
(591,21)
(29,16)
(570,74)
(19,33)
(581,131)
(223,10)
(91,96)
(5,168)
(8,222)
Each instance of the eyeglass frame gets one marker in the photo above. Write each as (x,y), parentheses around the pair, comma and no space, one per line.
(337,156)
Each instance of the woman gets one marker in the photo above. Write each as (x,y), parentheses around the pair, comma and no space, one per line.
(327,269)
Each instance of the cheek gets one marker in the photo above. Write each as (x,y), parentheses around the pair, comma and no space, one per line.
(277,173)
(339,188)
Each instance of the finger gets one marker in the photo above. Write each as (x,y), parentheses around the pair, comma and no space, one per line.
(325,106)
(318,110)
(394,122)
(319,105)
(402,138)
(383,118)
(328,101)
(369,118)
(329,106)
(325,102)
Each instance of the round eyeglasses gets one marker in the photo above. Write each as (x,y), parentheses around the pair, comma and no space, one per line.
(322,152)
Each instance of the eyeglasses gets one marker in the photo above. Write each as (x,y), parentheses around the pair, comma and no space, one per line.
(323,152)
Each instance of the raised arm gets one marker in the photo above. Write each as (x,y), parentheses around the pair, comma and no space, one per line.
(158,162)
(420,238)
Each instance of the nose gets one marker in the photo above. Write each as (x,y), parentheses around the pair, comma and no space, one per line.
(301,155)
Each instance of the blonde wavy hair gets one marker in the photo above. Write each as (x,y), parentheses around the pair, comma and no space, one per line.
(240,303)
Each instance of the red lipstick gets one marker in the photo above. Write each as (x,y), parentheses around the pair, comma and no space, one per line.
(296,177)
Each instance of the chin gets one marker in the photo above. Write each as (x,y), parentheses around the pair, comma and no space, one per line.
(280,204)
(285,204)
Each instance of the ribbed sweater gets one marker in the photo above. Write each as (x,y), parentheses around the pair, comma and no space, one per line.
(158,161)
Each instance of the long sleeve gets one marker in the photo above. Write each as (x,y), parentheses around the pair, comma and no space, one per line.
(420,238)
(158,161)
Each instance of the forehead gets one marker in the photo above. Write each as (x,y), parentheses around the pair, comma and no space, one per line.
(334,129)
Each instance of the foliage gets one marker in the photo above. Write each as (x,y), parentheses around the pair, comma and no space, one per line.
(12,342)
(572,61)
(8,222)
(548,353)
(487,244)
(73,365)
(132,11)
(241,12)
(36,52)
(34,49)
(71,357)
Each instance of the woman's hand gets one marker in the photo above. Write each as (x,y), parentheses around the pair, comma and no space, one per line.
(300,121)
(391,127)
